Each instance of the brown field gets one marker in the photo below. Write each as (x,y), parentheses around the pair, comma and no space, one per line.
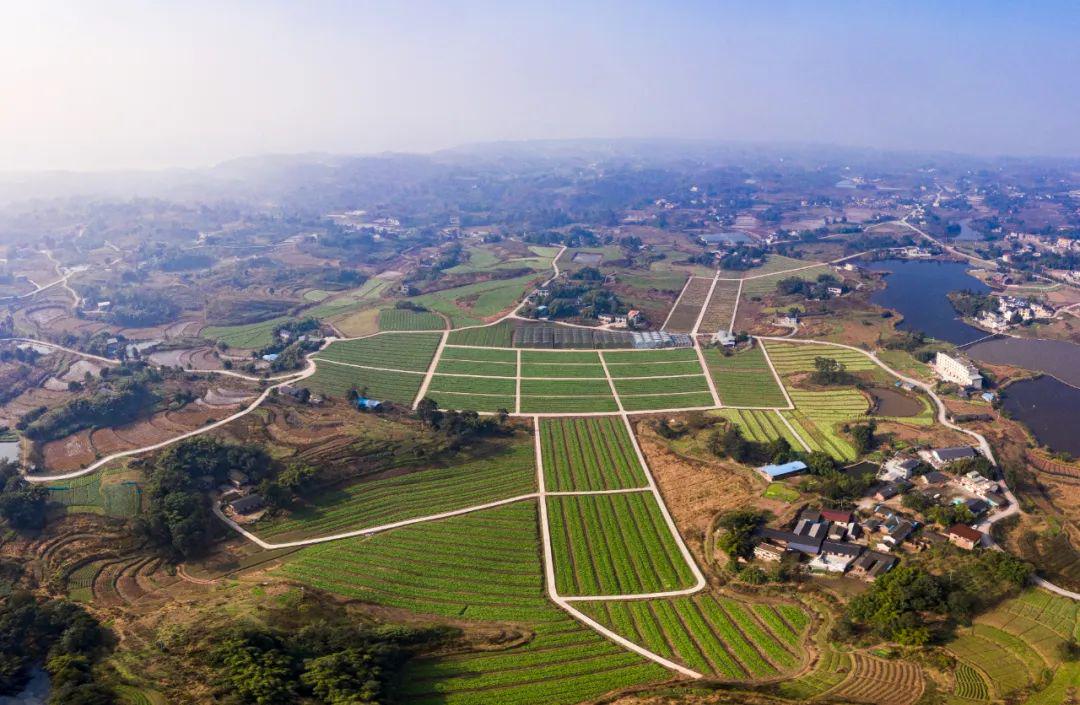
(720,307)
(696,488)
(880,682)
(685,313)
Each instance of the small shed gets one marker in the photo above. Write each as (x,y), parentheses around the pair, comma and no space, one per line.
(776,472)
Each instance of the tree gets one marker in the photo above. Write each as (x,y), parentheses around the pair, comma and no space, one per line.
(738,526)
(22,504)
(863,437)
(829,372)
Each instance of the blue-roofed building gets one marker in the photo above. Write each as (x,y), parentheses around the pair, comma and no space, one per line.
(270,357)
(776,472)
(363,403)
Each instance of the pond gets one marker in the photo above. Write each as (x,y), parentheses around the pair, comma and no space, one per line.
(967,233)
(1053,357)
(918,290)
(890,402)
(1047,407)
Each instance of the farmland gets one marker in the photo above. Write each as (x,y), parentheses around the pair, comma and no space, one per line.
(614,544)
(763,285)
(421,568)
(761,426)
(685,313)
(499,335)
(880,681)
(798,357)
(589,454)
(718,636)
(820,436)
(501,472)
(744,379)
(721,307)
(403,319)
(473,303)
(250,336)
(396,351)
(113,492)
(336,380)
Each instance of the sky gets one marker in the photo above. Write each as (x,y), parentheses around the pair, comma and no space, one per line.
(119,84)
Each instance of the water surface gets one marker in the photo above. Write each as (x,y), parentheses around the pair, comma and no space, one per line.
(1047,407)
(1053,357)
(918,290)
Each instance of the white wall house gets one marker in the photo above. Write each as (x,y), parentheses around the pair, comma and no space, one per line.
(957,370)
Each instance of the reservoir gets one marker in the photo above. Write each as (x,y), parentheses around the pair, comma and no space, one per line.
(1048,408)
(918,289)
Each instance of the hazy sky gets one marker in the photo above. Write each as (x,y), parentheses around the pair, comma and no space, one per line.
(92,84)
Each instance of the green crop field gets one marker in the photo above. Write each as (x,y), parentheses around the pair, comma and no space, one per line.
(568,357)
(799,357)
(656,369)
(473,402)
(639,357)
(592,453)
(567,405)
(479,355)
(576,371)
(395,351)
(761,426)
(722,637)
(614,544)
(423,568)
(509,471)
(569,387)
(662,385)
(499,335)
(336,380)
(773,263)
(1008,666)
(472,303)
(404,319)
(349,302)
(693,400)
(822,436)
(744,379)
(473,385)
(98,493)
(251,336)
(781,492)
(476,368)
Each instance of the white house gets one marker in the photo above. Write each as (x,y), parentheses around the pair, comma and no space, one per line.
(957,370)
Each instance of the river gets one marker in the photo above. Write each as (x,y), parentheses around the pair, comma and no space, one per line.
(918,290)
(1054,357)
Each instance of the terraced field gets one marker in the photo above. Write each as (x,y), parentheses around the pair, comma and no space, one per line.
(717,636)
(404,319)
(592,453)
(614,544)
(744,379)
(879,681)
(473,303)
(761,286)
(683,317)
(761,426)
(423,569)
(1008,663)
(799,357)
(250,336)
(336,381)
(98,493)
(508,472)
(822,436)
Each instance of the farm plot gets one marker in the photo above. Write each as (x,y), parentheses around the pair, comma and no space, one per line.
(472,303)
(721,307)
(593,453)
(674,368)
(468,354)
(797,357)
(715,636)
(1008,668)
(581,365)
(336,380)
(685,313)
(820,436)
(497,335)
(566,396)
(508,472)
(476,368)
(394,351)
(880,682)
(660,402)
(761,426)
(763,285)
(473,393)
(249,336)
(423,569)
(662,385)
(970,684)
(113,492)
(643,357)
(744,379)
(614,544)
(404,319)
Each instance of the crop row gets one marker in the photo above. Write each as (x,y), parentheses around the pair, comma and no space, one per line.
(744,379)
(404,319)
(662,385)
(559,357)
(478,354)
(337,380)
(656,369)
(473,402)
(1005,669)
(820,435)
(720,308)
(498,335)
(798,357)
(577,371)
(592,453)
(761,426)
(476,369)
(614,544)
(473,385)
(397,351)
(639,357)
(685,314)
(969,683)
(874,680)
(710,635)
(567,404)
(691,400)
(507,473)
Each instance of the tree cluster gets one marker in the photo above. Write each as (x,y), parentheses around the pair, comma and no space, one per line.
(22,504)
(461,426)
(816,290)
(124,402)
(831,373)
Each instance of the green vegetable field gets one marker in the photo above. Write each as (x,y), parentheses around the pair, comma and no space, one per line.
(744,379)
(592,453)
